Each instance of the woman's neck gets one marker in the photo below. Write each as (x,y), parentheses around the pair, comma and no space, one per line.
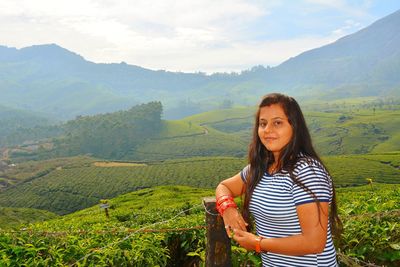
(273,167)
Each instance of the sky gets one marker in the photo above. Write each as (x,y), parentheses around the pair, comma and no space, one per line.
(187,35)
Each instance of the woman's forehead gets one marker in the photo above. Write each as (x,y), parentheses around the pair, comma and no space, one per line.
(272,111)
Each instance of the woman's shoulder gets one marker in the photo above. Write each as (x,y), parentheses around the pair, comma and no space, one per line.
(307,162)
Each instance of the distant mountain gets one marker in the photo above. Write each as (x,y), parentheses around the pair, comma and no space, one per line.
(368,60)
(53,80)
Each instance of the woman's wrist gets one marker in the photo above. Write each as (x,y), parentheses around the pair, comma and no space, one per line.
(258,244)
(224,202)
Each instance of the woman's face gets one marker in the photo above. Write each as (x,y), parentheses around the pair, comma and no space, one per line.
(274,129)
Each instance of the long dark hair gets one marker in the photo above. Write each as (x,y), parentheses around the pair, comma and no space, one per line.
(260,158)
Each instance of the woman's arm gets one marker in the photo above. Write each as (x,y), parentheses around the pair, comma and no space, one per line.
(232,187)
(312,240)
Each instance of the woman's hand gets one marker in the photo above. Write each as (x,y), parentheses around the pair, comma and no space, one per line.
(233,220)
(233,187)
(245,239)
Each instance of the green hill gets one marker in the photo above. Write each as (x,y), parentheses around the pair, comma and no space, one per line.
(64,241)
(354,126)
(217,116)
(30,170)
(110,135)
(80,184)
(165,226)
(51,79)
(136,134)
(209,142)
(13,217)
(17,126)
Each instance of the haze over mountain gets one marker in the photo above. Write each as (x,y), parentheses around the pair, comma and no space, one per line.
(58,82)
(368,60)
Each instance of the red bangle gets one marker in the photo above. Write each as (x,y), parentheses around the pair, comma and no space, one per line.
(225,205)
(230,205)
(224,198)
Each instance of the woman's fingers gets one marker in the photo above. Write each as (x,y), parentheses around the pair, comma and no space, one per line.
(228,230)
(234,220)
(241,224)
(237,234)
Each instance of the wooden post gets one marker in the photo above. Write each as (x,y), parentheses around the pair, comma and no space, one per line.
(104,205)
(218,248)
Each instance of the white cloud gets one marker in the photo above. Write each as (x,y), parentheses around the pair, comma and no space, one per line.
(348,27)
(187,35)
(236,57)
(152,31)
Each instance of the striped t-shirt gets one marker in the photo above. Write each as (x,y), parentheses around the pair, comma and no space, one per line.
(273,205)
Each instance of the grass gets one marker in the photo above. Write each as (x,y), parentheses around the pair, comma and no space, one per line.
(78,185)
(178,128)
(209,142)
(172,217)
(13,217)
(215,116)
(354,126)
(108,164)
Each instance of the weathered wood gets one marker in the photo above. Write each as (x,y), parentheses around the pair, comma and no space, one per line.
(104,205)
(218,248)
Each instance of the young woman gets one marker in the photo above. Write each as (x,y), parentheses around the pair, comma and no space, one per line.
(287,190)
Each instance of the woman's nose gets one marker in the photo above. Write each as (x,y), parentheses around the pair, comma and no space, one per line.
(267,128)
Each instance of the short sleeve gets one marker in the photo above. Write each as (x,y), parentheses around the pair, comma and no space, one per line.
(244,173)
(315,178)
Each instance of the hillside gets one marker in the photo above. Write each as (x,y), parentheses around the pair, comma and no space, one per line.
(83,182)
(351,126)
(132,134)
(30,170)
(14,217)
(339,127)
(17,126)
(110,135)
(62,84)
(166,226)
(80,184)
(209,142)
(366,62)
(66,238)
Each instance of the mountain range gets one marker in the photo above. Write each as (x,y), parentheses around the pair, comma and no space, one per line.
(55,81)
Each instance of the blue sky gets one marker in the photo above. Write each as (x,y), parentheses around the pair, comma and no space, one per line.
(187,35)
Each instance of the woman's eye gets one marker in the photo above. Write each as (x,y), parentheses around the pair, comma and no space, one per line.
(277,123)
(263,124)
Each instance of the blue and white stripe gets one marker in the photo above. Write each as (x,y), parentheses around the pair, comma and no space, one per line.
(273,205)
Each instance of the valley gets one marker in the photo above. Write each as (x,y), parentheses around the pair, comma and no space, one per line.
(107,164)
